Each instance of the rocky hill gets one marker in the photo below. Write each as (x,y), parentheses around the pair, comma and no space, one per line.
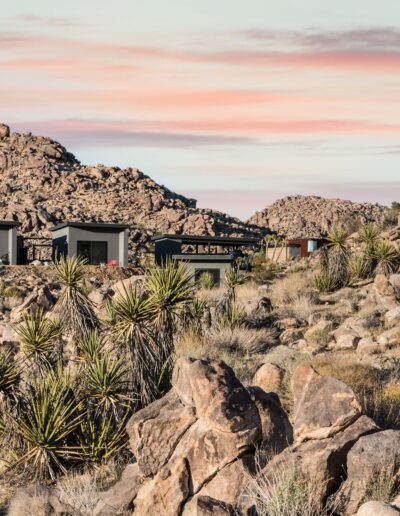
(42,184)
(311,216)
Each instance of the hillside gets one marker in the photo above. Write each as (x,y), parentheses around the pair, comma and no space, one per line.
(311,216)
(42,184)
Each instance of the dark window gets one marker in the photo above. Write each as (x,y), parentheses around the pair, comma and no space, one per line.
(94,252)
(216,274)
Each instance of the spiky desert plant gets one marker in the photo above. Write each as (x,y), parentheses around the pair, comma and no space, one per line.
(387,258)
(49,415)
(368,234)
(338,255)
(206,281)
(359,266)
(105,382)
(38,336)
(9,372)
(130,326)
(170,288)
(75,309)
(323,282)
(233,278)
(234,317)
(91,345)
(101,438)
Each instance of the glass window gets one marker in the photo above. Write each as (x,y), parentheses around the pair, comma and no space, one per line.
(94,252)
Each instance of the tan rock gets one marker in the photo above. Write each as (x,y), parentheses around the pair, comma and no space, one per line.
(165,493)
(323,405)
(268,377)
(384,291)
(4,131)
(156,430)
(377,509)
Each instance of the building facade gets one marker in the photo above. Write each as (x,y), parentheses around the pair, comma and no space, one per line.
(8,242)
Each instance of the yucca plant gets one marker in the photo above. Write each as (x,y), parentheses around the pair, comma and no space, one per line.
(49,415)
(105,381)
(206,281)
(91,345)
(234,278)
(387,258)
(101,438)
(9,372)
(75,309)
(233,318)
(170,288)
(129,318)
(38,336)
(359,266)
(338,256)
(368,235)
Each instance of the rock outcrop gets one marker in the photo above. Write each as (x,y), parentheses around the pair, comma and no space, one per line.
(311,216)
(42,184)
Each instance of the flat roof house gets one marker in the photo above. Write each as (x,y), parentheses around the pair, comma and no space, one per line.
(97,242)
(211,254)
(8,242)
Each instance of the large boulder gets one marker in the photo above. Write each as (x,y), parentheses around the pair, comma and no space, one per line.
(373,508)
(323,405)
(37,500)
(370,456)
(156,430)
(385,293)
(268,377)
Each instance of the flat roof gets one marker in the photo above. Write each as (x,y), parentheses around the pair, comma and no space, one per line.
(8,223)
(209,258)
(90,225)
(204,239)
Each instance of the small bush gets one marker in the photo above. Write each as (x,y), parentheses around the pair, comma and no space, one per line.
(359,267)
(323,283)
(382,484)
(13,291)
(206,281)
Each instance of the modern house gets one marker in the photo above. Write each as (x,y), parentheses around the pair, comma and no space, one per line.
(8,242)
(211,254)
(97,242)
(281,251)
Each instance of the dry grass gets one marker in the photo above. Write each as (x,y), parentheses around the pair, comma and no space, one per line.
(292,296)
(213,295)
(240,348)
(287,493)
(383,484)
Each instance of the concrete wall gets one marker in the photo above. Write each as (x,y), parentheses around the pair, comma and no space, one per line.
(8,243)
(117,242)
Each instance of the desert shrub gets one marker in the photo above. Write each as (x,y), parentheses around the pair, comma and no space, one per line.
(390,218)
(368,234)
(387,258)
(323,282)
(13,291)
(320,337)
(359,267)
(383,405)
(38,336)
(129,318)
(382,484)
(286,290)
(234,278)
(80,492)
(206,281)
(287,493)
(50,413)
(9,372)
(74,308)
(233,317)
(91,345)
(338,253)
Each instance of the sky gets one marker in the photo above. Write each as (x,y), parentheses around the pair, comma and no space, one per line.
(234,103)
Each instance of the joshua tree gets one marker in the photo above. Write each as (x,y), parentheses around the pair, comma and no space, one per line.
(129,321)
(74,308)
(338,256)
(387,258)
(170,287)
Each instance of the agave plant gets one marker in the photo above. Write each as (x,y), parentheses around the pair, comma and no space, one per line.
(9,372)
(75,309)
(49,415)
(387,258)
(38,336)
(101,438)
(91,345)
(105,381)
(170,288)
(338,256)
(129,317)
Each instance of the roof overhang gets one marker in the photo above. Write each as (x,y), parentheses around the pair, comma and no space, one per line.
(211,240)
(91,226)
(7,224)
(203,258)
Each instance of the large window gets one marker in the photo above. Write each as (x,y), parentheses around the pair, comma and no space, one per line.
(216,274)
(94,252)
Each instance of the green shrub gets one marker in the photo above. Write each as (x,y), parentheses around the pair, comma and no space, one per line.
(387,258)
(206,281)
(323,283)
(359,267)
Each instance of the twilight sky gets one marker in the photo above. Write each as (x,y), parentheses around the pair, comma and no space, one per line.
(233,102)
